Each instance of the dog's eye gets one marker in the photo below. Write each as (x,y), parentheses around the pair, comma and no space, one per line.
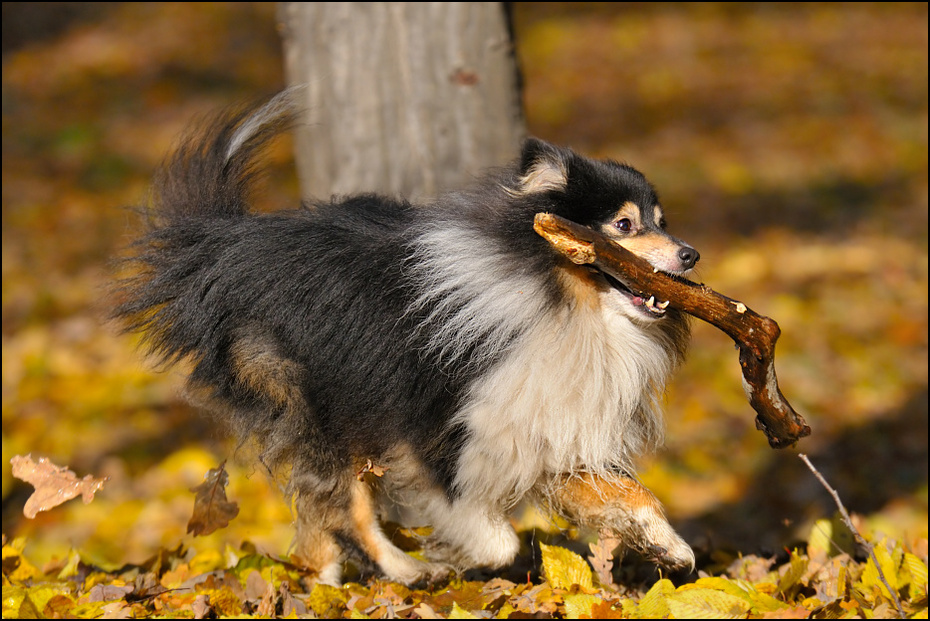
(624,225)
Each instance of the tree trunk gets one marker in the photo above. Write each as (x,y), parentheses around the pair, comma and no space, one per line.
(403,98)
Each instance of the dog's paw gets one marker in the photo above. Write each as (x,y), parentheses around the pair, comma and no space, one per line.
(409,571)
(680,558)
(660,543)
(649,533)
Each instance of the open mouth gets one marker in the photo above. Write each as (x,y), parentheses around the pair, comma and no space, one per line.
(648,306)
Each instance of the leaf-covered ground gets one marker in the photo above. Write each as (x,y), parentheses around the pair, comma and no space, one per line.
(788,143)
(241,582)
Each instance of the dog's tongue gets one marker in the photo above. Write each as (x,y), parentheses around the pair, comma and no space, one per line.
(638,301)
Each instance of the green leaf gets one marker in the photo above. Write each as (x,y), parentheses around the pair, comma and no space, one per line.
(564,568)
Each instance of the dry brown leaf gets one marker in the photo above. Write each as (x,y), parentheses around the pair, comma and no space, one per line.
(211,509)
(54,484)
(108,592)
(266,605)
(201,606)
(602,559)
(255,587)
(375,469)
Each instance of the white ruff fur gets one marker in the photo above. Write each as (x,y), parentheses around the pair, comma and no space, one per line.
(574,388)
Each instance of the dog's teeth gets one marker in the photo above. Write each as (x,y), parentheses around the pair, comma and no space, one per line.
(651,301)
(663,305)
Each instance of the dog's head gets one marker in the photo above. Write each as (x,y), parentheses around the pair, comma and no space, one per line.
(612,198)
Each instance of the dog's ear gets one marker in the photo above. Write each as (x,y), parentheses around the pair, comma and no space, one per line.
(543,167)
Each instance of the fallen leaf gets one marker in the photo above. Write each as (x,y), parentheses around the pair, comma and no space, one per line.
(654,604)
(201,606)
(109,592)
(602,559)
(54,484)
(563,568)
(706,604)
(211,509)
(580,605)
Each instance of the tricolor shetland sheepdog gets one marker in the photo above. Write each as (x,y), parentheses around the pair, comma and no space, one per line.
(445,343)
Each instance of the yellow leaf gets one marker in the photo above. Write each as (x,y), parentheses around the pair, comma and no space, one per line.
(24,569)
(580,604)
(819,539)
(654,604)
(918,571)
(563,568)
(71,567)
(759,601)
(706,604)
(870,576)
(793,572)
(17,605)
(224,601)
(324,597)
(207,560)
(460,613)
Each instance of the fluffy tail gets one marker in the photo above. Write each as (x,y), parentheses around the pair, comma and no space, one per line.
(203,186)
(212,171)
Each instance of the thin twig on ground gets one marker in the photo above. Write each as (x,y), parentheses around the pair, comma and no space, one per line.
(858,536)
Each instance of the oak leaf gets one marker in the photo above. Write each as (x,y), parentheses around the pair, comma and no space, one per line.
(212,510)
(602,559)
(53,484)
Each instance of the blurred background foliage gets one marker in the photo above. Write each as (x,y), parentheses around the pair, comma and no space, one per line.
(788,143)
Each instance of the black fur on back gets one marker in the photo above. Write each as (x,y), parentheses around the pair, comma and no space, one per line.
(323,286)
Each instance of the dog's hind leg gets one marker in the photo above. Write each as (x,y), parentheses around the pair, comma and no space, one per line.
(316,548)
(623,506)
(341,522)
(367,533)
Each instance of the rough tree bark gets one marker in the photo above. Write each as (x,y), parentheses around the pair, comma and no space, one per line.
(407,98)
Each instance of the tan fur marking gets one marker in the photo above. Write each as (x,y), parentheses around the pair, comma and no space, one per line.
(657,215)
(588,496)
(315,548)
(396,564)
(624,508)
(258,365)
(648,245)
(365,522)
(581,284)
(630,211)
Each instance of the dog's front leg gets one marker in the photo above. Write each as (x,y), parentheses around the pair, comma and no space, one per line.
(624,507)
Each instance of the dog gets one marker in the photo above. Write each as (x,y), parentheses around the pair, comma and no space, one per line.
(444,346)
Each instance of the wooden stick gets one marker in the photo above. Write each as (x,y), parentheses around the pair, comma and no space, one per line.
(754,334)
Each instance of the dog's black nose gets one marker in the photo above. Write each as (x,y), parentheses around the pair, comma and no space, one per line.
(688,257)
